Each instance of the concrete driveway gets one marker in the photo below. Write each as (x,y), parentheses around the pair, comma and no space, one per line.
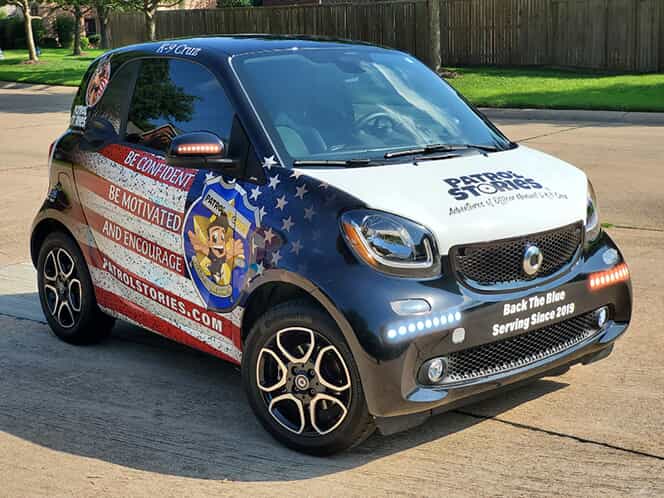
(138,415)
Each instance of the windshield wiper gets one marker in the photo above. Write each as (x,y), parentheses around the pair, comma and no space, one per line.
(346,163)
(433,148)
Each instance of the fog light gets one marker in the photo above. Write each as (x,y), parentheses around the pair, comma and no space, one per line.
(407,307)
(602,316)
(435,370)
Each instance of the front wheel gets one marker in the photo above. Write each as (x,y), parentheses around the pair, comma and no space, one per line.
(302,381)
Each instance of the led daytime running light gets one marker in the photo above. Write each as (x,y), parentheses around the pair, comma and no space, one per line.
(430,323)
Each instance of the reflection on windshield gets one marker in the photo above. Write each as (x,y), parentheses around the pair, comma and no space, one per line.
(436,114)
(337,104)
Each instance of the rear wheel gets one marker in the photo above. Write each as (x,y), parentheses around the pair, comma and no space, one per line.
(302,381)
(66,293)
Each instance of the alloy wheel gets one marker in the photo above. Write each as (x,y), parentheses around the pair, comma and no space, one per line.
(304,382)
(62,288)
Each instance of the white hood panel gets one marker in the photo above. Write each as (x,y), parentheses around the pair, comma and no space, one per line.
(525,191)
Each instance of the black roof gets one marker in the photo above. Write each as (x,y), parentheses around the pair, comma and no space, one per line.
(239,44)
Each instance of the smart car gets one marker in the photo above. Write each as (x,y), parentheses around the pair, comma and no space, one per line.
(333,217)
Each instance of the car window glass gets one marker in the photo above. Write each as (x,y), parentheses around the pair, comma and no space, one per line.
(172,97)
(114,100)
(356,104)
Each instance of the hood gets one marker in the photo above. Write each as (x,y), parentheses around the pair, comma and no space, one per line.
(473,198)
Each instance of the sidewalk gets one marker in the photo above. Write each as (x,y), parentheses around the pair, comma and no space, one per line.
(576,116)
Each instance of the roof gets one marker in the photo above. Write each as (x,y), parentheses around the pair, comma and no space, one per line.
(245,43)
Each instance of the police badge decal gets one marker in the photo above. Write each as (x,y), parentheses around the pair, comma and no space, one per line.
(219,242)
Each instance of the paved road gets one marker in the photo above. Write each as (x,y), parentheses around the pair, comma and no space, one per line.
(139,415)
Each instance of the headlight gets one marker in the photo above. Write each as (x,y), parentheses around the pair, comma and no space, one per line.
(391,244)
(593,227)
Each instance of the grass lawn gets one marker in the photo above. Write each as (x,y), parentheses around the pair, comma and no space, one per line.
(56,66)
(483,86)
(558,89)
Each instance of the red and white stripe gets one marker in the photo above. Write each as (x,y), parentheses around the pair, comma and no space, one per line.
(157,191)
(119,307)
(150,166)
(127,201)
(117,236)
(116,214)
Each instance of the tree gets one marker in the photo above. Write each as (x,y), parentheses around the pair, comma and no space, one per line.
(78,8)
(149,10)
(157,97)
(103,9)
(24,6)
(434,28)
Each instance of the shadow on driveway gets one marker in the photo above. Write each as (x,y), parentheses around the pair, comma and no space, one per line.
(141,401)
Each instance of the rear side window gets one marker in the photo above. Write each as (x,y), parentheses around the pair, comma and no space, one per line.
(172,97)
(113,104)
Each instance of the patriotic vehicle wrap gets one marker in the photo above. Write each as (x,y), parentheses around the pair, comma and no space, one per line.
(355,292)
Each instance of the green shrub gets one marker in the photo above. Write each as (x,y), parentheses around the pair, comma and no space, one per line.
(38,31)
(49,42)
(85,43)
(12,31)
(234,3)
(64,27)
(94,40)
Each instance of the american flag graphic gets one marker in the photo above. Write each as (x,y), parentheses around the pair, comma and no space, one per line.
(289,204)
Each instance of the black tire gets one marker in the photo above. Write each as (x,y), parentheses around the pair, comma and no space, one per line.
(355,425)
(73,317)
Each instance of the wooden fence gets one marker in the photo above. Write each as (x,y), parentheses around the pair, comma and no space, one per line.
(617,35)
(400,24)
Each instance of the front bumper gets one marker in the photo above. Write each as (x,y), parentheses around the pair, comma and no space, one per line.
(392,382)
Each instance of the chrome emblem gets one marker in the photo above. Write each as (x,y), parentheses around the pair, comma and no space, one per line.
(532,260)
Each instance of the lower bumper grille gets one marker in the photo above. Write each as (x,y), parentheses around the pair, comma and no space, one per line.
(519,351)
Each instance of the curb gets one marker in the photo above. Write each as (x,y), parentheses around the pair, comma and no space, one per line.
(493,113)
(575,116)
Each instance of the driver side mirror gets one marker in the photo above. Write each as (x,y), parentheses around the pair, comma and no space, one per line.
(201,150)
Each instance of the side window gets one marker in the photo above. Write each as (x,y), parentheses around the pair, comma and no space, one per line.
(113,104)
(172,97)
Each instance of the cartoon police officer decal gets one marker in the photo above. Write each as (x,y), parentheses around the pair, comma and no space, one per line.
(217,251)
(220,242)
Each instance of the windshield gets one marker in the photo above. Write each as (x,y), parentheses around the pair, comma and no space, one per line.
(340,104)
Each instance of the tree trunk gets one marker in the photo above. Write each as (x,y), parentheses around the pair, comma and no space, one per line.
(151,24)
(434,35)
(103,27)
(78,15)
(29,39)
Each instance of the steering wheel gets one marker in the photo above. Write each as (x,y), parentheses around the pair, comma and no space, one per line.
(378,124)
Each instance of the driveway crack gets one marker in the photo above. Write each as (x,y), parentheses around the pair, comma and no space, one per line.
(548,432)
(564,130)
(632,227)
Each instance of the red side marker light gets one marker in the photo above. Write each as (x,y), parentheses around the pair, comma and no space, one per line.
(602,279)
(199,149)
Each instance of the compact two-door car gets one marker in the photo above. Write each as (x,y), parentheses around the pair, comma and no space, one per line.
(330,215)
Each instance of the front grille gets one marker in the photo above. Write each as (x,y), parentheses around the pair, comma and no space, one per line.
(522,350)
(501,262)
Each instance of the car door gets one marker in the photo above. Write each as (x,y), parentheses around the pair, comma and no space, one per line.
(161,259)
